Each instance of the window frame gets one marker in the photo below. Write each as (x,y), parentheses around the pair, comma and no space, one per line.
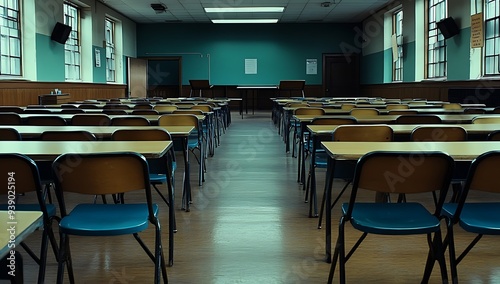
(434,35)
(110,50)
(494,38)
(73,49)
(14,24)
(397,71)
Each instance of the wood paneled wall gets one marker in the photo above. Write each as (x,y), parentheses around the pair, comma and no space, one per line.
(431,90)
(23,93)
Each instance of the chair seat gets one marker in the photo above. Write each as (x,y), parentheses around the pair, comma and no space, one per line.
(106,219)
(51,208)
(479,218)
(157,178)
(392,218)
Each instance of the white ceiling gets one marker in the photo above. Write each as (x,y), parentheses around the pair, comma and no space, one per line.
(296,11)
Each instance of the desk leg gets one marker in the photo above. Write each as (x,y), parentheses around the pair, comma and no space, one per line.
(253,102)
(328,218)
(313,204)
(171,213)
(186,193)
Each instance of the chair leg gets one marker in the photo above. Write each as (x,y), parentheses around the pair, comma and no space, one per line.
(339,254)
(64,258)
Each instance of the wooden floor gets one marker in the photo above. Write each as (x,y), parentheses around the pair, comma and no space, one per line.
(248,224)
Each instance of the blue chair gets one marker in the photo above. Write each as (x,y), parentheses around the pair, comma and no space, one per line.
(480,218)
(400,173)
(27,179)
(107,173)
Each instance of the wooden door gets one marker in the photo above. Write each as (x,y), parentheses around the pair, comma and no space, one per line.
(341,75)
(137,77)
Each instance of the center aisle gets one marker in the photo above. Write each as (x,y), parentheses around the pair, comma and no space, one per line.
(248,223)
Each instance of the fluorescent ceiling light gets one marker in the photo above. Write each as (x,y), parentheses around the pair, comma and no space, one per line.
(245,21)
(245,10)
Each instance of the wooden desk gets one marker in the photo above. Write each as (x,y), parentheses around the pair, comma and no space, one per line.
(49,150)
(252,88)
(53,99)
(25,223)
(352,151)
(153,119)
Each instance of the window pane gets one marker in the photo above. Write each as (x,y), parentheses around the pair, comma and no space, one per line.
(10,35)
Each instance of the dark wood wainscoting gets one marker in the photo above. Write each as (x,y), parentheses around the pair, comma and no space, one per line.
(431,90)
(23,93)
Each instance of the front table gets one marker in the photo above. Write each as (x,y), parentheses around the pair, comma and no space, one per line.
(352,151)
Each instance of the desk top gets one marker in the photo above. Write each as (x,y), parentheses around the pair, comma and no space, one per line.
(39,150)
(256,87)
(465,151)
(446,118)
(408,128)
(149,117)
(25,223)
(100,131)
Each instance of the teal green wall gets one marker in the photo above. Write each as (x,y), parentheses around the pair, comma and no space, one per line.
(387,65)
(409,62)
(458,53)
(219,51)
(372,68)
(99,72)
(50,60)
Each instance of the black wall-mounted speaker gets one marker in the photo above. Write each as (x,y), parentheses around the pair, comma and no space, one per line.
(448,27)
(60,33)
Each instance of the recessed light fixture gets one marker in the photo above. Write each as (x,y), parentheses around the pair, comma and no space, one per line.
(245,10)
(245,21)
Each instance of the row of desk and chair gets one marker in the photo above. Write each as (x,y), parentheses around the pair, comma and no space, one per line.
(102,154)
(430,148)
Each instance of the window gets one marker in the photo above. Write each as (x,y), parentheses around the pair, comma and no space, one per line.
(397,31)
(492,37)
(72,57)
(436,44)
(10,33)
(110,51)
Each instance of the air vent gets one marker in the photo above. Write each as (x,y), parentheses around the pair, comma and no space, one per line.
(159,8)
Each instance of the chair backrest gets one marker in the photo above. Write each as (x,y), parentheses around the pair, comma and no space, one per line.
(26,176)
(165,108)
(10,118)
(154,134)
(45,120)
(88,106)
(482,173)
(145,112)
(96,174)
(359,133)
(472,110)
(402,112)
(114,111)
(68,106)
(418,119)
(143,106)
(403,172)
(496,110)
(188,111)
(309,111)
(94,119)
(396,106)
(481,177)
(72,110)
(452,106)
(9,134)
(333,120)
(75,135)
(178,120)
(116,106)
(439,133)
(360,112)
(199,84)
(203,108)
(487,119)
(36,111)
(130,120)
(494,136)
(14,109)
(347,106)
